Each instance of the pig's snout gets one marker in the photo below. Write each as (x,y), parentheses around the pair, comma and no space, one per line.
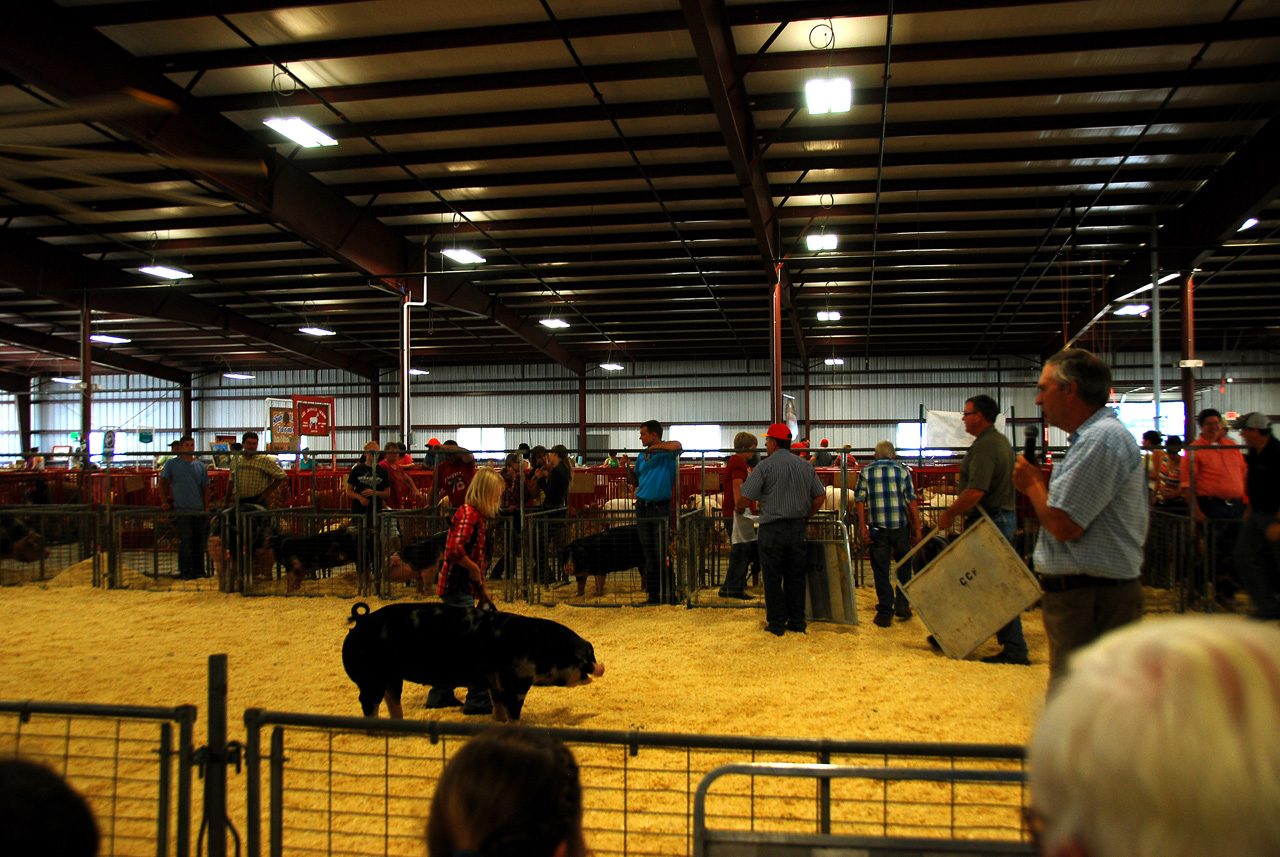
(597,670)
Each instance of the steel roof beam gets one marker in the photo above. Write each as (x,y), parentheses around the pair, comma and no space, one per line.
(43,44)
(61,346)
(49,272)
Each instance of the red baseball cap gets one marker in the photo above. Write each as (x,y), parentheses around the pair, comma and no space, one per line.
(433,442)
(778,431)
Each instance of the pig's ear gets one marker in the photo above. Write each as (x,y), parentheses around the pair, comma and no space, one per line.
(561,850)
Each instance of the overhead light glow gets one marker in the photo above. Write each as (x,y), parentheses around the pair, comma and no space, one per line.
(464,256)
(316,331)
(1248,224)
(829,96)
(67,380)
(305,135)
(834,361)
(108,339)
(612,367)
(556,323)
(165,273)
(824,241)
(1133,309)
(828,315)
(419,371)
(1166,278)
(236,376)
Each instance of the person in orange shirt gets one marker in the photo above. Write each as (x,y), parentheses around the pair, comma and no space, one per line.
(1219,497)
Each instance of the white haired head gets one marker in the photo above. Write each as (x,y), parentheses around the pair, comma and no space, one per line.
(1164,739)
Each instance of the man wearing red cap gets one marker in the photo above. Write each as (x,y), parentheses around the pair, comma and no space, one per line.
(822,457)
(789,492)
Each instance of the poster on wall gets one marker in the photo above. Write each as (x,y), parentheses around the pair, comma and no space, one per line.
(284,431)
(315,418)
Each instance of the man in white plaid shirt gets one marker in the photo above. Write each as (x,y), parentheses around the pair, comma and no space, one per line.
(885,486)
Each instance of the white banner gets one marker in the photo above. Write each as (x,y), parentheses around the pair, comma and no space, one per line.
(945,429)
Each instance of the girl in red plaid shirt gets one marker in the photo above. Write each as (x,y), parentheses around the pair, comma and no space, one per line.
(462,574)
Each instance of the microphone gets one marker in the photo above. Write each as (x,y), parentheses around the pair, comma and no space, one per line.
(1029,434)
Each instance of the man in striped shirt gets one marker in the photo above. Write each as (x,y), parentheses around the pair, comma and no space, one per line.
(885,486)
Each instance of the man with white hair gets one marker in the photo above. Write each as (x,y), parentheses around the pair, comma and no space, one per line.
(1163,740)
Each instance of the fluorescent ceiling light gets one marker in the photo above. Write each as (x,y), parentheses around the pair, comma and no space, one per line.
(1248,224)
(67,380)
(612,367)
(1133,309)
(316,331)
(236,376)
(1167,277)
(556,323)
(464,256)
(108,339)
(832,315)
(300,132)
(165,273)
(822,242)
(829,96)
(834,361)
(419,371)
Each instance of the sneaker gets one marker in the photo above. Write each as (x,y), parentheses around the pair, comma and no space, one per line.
(1003,658)
(776,630)
(883,620)
(933,644)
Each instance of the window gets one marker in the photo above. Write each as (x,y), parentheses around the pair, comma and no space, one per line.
(911,436)
(483,442)
(696,439)
(1139,417)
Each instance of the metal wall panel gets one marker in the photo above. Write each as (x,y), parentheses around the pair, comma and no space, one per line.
(858,404)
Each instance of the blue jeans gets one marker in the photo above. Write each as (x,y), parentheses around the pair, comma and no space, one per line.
(1010,636)
(477,697)
(784,564)
(1257,562)
(888,545)
(653,517)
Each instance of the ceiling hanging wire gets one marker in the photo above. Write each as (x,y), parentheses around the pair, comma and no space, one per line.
(644,174)
(1097,198)
(341,117)
(875,219)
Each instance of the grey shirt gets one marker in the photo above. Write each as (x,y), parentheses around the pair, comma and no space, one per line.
(988,467)
(785,485)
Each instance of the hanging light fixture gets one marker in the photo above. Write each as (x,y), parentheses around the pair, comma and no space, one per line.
(834,361)
(303,133)
(554,323)
(236,376)
(316,331)
(827,94)
(164,272)
(466,257)
(1133,309)
(108,339)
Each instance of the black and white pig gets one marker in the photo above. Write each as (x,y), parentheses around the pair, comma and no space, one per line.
(614,549)
(419,561)
(302,556)
(437,644)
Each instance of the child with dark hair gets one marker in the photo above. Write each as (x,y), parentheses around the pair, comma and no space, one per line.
(41,814)
(509,792)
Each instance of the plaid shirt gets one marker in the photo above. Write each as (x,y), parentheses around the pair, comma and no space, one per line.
(255,473)
(466,538)
(885,487)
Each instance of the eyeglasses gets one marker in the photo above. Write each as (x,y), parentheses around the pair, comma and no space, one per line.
(967,413)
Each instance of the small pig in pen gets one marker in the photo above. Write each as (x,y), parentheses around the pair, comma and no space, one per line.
(419,561)
(222,542)
(442,645)
(614,549)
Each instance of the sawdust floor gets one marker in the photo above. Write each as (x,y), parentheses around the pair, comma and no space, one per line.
(711,671)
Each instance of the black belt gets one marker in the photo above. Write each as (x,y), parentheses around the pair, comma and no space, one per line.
(1063,582)
(642,503)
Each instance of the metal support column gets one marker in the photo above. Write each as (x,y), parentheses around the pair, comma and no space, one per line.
(1188,354)
(775,352)
(1155,321)
(86,380)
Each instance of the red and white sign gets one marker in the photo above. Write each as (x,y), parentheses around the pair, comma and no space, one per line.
(314,418)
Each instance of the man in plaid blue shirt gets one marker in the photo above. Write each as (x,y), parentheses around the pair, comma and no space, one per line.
(885,486)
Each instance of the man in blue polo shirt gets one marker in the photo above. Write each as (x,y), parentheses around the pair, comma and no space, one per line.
(654,478)
(789,492)
(1093,512)
(184,487)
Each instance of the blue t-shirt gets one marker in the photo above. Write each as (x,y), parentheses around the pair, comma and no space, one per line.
(656,472)
(186,480)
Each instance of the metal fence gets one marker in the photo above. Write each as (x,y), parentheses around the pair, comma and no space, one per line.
(356,786)
(126,760)
(65,544)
